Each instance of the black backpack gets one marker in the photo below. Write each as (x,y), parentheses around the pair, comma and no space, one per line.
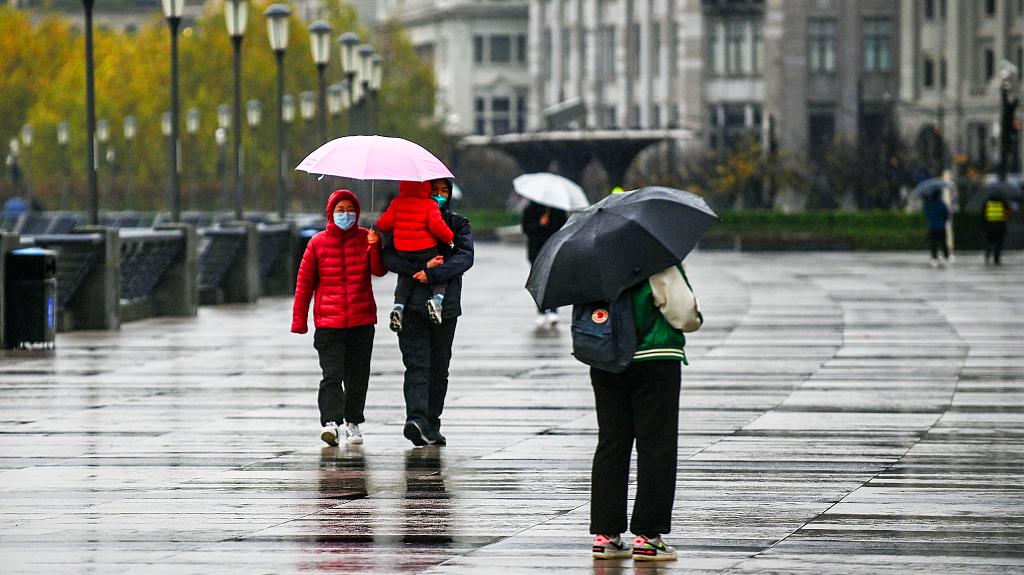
(604,333)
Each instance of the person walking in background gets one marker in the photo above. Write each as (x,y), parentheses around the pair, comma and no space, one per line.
(642,403)
(936,213)
(539,223)
(335,270)
(994,216)
(417,224)
(426,345)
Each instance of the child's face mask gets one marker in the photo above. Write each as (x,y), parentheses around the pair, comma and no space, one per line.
(441,200)
(344,220)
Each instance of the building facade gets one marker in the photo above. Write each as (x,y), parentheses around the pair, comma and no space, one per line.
(951,63)
(479,53)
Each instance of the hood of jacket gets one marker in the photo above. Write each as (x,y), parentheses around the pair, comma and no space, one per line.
(332,203)
(414,189)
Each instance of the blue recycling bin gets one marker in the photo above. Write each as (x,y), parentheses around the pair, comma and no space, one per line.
(30,307)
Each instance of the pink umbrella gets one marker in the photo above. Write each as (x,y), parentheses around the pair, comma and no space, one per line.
(374,158)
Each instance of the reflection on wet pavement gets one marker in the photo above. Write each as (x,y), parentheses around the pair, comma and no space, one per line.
(842,413)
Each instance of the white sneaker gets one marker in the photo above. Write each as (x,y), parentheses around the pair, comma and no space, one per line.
(353,434)
(541,320)
(935,263)
(552,318)
(329,433)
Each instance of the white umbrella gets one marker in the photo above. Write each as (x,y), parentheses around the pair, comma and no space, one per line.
(551,190)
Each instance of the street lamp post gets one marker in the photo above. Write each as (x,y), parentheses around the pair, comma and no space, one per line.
(167,129)
(287,116)
(320,44)
(62,141)
(365,53)
(102,138)
(223,123)
(1007,109)
(131,127)
(307,109)
(236,13)
(347,43)
(335,95)
(27,139)
(277,31)
(192,117)
(90,118)
(173,10)
(376,77)
(253,115)
(220,136)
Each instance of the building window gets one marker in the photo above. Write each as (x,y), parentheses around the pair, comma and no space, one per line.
(928,72)
(478,49)
(990,8)
(566,51)
(821,39)
(756,47)
(501,119)
(988,63)
(501,49)
(634,50)
(942,72)
(735,38)
(634,116)
(929,9)
(521,49)
(521,113)
(655,116)
(656,49)
(480,116)
(877,45)
(714,61)
(546,50)
(821,128)
(610,117)
(673,39)
(606,53)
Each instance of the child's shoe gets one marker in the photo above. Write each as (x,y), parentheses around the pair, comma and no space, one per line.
(606,547)
(329,433)
(652,549)
(434,309)
(396,319)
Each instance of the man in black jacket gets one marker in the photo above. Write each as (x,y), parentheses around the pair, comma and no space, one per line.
(427,348)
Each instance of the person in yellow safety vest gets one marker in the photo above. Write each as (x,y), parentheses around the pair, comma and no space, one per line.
(994,215)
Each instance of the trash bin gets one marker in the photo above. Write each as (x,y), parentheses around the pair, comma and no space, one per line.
(30,308)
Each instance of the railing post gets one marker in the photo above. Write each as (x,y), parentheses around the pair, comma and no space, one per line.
(177,294)
(242,283)
(97,302)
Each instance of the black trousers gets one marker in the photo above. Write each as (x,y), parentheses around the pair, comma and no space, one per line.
(426,352)
(995,235)
(641,403)
(345,363)
(405,284)
(937,242)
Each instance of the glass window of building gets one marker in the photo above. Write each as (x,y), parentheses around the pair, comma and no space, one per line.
(988,63)
(735,40)
(521,112)
(606,53)
(547,54)
(501,49)
(929,9)
(821,45)
(990,8)
(478,49)
(928,72)
(656,49)
(501,120)
(877,45)
(521,48)
(566,51)
(480,116)
(756,47)
(655,116)
(715,63)
(821,127)
(634,50)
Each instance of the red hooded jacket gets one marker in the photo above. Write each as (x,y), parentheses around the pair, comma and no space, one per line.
(414,219)
(335,271)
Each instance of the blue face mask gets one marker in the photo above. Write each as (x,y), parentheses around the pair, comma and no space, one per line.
(441,200)
(344,220)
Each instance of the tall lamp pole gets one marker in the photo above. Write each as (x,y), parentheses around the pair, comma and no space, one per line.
(223,124)
(1007,111)
(28,136)
(131,127)
(376,78)
(307,109)
(90,118)
(236,13)
(173,10)
(365,63)
(253,115)
(277,31)
(192,117)
(102,137)
(62,141)
(335,94)
(347,43)
(167,129)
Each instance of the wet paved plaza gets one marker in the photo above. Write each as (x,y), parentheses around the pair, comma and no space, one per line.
(842,413)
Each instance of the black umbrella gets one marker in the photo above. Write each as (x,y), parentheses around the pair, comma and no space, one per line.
(616,243)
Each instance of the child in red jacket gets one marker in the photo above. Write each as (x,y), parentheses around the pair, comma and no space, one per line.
(415,219)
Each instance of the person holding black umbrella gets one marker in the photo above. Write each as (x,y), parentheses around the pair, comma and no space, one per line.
(539,223)
(626,251)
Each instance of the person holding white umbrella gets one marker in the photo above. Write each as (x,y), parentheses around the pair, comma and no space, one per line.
(551,197)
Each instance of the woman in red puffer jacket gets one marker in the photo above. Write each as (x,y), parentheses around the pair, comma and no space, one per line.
(335,273)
